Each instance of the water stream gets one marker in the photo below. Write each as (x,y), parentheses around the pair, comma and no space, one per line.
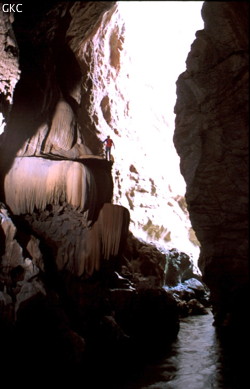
(195,361)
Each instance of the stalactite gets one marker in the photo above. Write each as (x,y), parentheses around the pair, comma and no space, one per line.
(93,251)
(39,182)
(106,237)
(111,221)
(82,251)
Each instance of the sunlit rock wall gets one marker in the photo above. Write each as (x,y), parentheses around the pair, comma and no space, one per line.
(146,169)
(211,138)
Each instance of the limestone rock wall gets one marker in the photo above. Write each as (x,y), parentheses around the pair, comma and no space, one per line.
(211,137)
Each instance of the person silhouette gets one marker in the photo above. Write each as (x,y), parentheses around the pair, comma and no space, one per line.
(109,143)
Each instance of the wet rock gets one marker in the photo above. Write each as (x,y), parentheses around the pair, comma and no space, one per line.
(201,291)
(179,267)
(192,297)
(119,282)
(185,283)
(196,308)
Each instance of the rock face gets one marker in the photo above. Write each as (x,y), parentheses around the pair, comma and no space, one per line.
(211,137)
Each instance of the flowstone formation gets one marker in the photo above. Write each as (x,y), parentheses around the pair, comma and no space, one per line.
(211,137)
